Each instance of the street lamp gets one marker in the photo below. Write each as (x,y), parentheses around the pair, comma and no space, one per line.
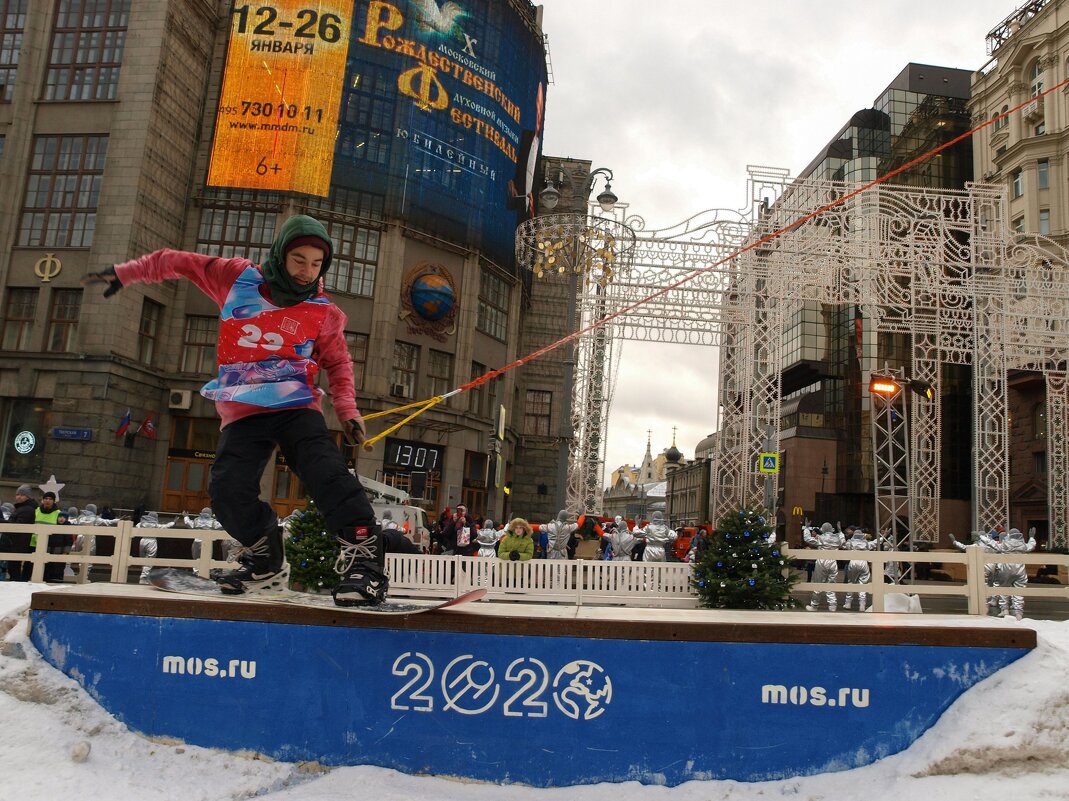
(889,386)
(549,197)
(590,246)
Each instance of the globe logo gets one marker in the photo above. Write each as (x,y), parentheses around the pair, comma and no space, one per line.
(582,690)
(432,296)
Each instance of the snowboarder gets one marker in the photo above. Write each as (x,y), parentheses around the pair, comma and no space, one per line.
(277,329)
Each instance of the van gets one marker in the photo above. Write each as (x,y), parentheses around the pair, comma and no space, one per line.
(411,519)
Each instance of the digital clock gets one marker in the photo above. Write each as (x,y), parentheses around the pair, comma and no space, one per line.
(403,454)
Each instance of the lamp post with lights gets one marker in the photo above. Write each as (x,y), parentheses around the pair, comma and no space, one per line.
(589,247)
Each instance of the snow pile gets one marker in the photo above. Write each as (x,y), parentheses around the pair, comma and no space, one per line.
(1007,737)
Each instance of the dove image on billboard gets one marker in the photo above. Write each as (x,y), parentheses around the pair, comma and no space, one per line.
(441,116)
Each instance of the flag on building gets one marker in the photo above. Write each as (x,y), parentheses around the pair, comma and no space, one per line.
(124,424)
(148,426)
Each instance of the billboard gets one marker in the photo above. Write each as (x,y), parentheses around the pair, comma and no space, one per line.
(277,119)
(435,110)
(441,116)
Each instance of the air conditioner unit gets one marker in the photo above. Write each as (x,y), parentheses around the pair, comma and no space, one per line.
(398,391)
(180,399)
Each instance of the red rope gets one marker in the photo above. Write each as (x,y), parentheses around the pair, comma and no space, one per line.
(492,374)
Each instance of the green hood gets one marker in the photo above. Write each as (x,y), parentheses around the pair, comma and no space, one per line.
(284,291)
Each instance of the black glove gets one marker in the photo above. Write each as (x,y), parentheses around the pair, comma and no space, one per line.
(355,433)
(514,556)
(105,276)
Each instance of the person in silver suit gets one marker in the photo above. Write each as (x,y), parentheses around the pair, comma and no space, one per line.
(559,531)
(621,540)
(1014,574)
(657,535)
(487,539)
(857,570)
(993,573)
(148,548)
(826,538)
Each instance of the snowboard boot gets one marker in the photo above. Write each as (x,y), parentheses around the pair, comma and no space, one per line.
(362,566)
(264,569)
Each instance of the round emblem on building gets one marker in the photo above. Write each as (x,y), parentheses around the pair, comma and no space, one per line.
(25,441)
(429,300)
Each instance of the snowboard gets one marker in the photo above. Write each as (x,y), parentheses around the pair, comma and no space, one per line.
(170,579)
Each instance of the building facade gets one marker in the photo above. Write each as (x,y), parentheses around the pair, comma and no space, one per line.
(1027,153)
(110,117)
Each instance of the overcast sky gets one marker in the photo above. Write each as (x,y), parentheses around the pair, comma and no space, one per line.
(678,97)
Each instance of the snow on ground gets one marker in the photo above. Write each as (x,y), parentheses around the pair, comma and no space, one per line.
(1007,737)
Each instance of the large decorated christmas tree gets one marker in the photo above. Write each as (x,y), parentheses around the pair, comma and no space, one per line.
(311,551)
(739,569)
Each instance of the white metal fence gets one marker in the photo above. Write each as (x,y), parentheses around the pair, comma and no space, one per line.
(567,581)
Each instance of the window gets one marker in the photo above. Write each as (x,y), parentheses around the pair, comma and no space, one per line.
(1035,77)
(62,190)
(1043,174)
(358,351)
(21,307)
(1044,222)
(12,22)
(148,330)
(493,305)
(537,409)
(1018,225)
(1039,463)
(87,45)
(198,344)
(356,255)
(1040,129)
(63,320)
(352,219)
(365,130)
(1002,120)
(1018,183)
(477,396)
(440,372)
(403,372)
(228,231)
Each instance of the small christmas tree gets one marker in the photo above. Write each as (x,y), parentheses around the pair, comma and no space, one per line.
(311,551)
(740,570)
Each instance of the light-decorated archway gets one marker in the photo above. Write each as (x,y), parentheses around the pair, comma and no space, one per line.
(937,266)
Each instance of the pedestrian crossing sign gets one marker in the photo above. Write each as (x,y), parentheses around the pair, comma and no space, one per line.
(768,463)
